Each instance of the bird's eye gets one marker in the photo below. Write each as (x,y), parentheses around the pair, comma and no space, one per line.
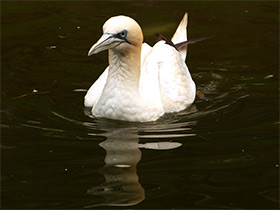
(123,34)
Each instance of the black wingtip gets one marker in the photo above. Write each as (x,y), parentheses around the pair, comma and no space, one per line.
(192,41)
(180,45)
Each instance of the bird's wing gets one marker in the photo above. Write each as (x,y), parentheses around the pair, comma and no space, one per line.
(177,88)
(96,89)
(149,84)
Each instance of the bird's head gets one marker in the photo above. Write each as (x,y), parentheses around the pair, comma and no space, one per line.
(120,33)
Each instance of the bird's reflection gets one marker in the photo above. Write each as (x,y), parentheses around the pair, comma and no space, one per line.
(121,186)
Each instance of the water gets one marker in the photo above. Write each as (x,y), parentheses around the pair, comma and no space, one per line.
(223,152)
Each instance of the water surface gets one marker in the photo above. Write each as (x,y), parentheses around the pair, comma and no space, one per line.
(222,152)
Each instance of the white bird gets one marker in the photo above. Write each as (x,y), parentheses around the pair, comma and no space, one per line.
(141,82)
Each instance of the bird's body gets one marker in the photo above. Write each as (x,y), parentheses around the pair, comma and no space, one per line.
(141,82)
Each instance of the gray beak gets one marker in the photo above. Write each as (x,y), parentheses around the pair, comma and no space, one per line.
(105,42)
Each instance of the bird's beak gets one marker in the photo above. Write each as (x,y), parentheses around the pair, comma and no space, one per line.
(102,44)
(105,42)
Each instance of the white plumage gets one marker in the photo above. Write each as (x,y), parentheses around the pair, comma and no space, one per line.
(141,82)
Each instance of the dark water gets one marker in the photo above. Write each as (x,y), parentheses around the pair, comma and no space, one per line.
(221,153)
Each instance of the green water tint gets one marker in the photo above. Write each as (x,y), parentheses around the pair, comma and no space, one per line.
(223,152)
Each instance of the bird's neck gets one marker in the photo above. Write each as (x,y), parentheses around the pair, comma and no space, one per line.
(125,68)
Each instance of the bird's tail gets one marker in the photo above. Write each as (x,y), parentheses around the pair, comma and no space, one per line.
(181,35)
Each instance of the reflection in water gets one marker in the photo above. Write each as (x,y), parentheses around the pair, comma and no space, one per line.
(121,186)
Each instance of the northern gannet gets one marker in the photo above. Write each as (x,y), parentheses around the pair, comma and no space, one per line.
(141,82)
